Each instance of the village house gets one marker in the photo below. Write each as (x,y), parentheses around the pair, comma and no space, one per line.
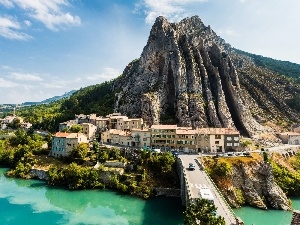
(163,136)
(125,138)
(66,125)
(25,125)
(217,139)
(63,143)
(89,130)
(102,123)
(291,138)
(82,118)
(9,119)
(185,139)
(141,137)
(106,136)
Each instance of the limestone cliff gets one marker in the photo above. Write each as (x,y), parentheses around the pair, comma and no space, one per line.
(189,75)
(251,182)
(258,187)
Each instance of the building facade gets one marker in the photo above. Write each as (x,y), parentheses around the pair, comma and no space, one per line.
(291,138)
(163,137)
(89,130)
(63,143)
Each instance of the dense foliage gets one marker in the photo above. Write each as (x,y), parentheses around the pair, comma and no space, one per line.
(285,68)
(220,169)
(202,211)
(74,177)
(149,170)
(44,117)
(294,102)
(289,181)
(18,152)
(97,98)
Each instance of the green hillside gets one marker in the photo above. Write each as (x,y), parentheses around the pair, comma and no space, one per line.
(97,99)
(285,68)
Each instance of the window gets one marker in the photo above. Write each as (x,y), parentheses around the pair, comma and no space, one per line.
(218,136)
(236,138)
(236,144)
(229,138)
(144,139)
(229,144)
(217,142)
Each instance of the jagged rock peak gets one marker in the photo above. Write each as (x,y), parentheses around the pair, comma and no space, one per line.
(188,75)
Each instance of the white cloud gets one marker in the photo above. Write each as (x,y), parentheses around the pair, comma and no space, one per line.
(107,74)
(173,10)
(7,83)
(27,23)
(5,67)
(49,12)
(25,77)
(7,3)
(9,28)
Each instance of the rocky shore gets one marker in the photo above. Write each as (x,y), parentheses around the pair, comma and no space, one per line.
(252,183)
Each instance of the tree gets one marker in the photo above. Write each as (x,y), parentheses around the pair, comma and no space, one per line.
(15,124)
(102,156)
(202,211)
(80,151)
(76,128)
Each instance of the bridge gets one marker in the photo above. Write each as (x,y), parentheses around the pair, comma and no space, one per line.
(192,180)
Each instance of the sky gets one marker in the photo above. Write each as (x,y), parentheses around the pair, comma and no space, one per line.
(49,47)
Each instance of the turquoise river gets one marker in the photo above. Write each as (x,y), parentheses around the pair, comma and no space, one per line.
(31,202)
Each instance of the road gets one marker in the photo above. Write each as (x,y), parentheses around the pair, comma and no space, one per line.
(197,178)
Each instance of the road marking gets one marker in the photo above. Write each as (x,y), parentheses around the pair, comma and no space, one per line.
(199,185)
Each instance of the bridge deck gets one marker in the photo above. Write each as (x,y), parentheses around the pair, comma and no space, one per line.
(198,178)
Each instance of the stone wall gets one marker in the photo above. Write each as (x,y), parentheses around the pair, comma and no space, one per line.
(168,192)
(39,174)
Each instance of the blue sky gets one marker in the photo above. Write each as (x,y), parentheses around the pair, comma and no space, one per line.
(49,47)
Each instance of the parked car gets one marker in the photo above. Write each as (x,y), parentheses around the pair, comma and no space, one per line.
(191,166)
(246,153)
(174,153)
(230,154)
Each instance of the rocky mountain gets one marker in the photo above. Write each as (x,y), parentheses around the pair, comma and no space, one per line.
(188,75)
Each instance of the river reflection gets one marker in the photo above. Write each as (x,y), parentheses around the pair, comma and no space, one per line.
(84,207)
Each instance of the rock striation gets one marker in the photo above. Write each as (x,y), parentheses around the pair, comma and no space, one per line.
(189,74)
(255,182)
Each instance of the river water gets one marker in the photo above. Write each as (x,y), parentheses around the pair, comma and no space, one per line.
(255,216)
(31,202)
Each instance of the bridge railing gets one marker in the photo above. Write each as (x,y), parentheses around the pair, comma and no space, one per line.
(188,191)
(219,192)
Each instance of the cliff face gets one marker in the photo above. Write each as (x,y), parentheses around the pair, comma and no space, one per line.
(189,74)
(255,184)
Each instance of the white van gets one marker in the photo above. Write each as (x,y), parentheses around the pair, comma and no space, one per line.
(206,193)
